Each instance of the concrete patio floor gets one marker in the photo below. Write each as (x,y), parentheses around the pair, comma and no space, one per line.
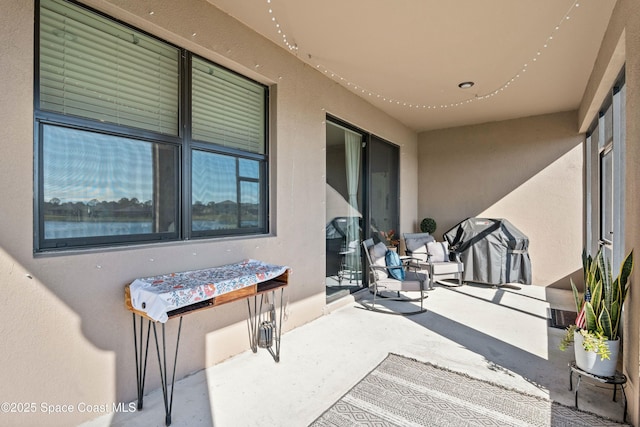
(496,334)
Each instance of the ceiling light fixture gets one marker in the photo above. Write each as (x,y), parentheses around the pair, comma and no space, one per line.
(466,85)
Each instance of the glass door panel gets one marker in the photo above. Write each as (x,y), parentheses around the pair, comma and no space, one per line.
(362,201)
(383,184)
(344,215)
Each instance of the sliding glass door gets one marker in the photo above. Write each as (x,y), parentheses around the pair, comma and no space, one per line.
(344,209)
(362,201)
(383,184)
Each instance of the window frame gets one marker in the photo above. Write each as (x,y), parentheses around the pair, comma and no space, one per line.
(181,142)
(606,172)
(606,137)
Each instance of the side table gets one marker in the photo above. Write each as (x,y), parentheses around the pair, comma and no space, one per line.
(617,379)
(346,257)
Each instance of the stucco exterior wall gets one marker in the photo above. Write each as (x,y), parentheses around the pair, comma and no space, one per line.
(528,171)
(67,337)
(621,45)
(630,11)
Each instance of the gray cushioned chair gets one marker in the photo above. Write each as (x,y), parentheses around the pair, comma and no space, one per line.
(433,258)
(382,282)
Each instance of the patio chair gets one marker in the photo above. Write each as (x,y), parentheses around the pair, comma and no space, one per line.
(389,273)
(433,258)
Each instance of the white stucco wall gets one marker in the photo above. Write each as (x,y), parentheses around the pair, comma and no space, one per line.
(528,171)
(67,337)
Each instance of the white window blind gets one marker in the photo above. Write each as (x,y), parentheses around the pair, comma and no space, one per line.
(608,125)
(595,138)
(227,109)
(98,69)
(606,195)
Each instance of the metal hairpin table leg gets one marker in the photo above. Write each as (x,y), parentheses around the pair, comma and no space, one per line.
(253,322)
(278,327)
(141,361)
(265,329)
(162,362)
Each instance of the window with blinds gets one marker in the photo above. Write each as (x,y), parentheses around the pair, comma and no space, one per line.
(227,109)
(111,157)
(605,174)
(95,68)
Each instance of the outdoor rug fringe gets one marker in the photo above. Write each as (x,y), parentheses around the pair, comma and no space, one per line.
(406,392)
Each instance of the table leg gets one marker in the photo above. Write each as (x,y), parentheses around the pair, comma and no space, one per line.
(265,323)
(252,322)
(141,361)
(431,278)
(278,326)
(164,377)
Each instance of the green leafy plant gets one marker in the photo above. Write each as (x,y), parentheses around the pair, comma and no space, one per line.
(591,341)
(603,305)
(428,225)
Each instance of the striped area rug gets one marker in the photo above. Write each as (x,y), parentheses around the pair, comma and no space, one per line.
(405,392)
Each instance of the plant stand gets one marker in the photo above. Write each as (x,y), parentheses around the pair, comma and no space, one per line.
(617,379)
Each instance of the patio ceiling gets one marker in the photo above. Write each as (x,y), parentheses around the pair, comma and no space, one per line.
(407,57)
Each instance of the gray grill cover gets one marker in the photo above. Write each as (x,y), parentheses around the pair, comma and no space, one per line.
(493,251)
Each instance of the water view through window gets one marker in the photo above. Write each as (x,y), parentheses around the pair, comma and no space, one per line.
(126,152)
(225,192)
(103,185)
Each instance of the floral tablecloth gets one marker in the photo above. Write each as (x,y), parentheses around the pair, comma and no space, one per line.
(158,295)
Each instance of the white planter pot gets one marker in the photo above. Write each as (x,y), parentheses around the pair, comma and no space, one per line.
(591,362)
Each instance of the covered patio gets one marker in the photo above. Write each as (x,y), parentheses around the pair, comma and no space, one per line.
(500,335)
(529,143)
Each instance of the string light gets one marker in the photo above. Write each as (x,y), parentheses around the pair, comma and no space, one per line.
(293,47)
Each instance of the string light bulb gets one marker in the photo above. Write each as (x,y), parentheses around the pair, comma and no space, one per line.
(291,46)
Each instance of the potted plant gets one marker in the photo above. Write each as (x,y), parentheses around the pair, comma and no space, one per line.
(390,239)
(428,225)
(599,309)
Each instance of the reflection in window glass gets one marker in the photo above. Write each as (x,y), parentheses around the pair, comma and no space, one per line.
(225,192)
(214,191)
(249,204)
(249,168)
(103,185)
